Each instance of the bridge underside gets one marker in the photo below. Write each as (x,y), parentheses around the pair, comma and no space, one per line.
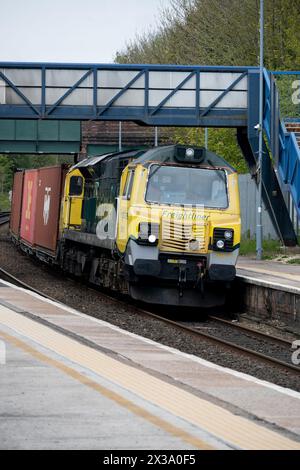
(172,117)
(33,136)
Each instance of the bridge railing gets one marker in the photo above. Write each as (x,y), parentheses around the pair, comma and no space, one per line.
(154,94)
(284,146)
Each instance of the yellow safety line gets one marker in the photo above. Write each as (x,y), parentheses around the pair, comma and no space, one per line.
(117,398)
(238,431)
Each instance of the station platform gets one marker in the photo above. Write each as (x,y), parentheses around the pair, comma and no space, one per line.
(69,380)
(283,276)
(270,291)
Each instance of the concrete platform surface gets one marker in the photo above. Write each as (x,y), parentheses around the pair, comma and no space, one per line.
(67,407)
(282,276)
(65,372)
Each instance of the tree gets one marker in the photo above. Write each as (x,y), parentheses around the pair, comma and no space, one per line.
(9,163)
(222,32)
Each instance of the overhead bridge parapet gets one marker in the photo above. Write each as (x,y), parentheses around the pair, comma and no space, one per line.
(153,94)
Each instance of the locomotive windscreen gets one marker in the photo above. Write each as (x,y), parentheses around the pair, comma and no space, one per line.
(187,186)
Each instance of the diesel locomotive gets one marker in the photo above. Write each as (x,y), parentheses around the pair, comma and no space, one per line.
(161,225)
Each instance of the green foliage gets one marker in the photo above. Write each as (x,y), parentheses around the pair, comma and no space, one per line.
(4,202)
(271,248)
(289,92)
(221,141)
(222,32)
(9,163)
(294,261)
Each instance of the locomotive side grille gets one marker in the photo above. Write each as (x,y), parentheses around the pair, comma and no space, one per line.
(183,236)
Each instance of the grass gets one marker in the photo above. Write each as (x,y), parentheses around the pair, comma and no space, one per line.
(271,248)
(294,261)
(4,203)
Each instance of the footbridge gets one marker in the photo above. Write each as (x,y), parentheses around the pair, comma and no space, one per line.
(165,95)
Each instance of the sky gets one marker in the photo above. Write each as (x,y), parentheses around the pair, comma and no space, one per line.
(82,31)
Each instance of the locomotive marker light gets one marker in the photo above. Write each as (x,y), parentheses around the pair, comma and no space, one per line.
(228,235)
(220,244)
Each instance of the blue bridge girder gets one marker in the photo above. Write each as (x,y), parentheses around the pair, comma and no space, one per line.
(166,95)
(157,95)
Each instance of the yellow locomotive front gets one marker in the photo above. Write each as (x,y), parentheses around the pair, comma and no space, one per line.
(178,229)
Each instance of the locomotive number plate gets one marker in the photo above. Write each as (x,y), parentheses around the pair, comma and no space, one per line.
(177,261)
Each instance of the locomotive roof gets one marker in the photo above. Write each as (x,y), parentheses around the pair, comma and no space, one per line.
(176,154)
(92,161)
(110,164)
(163,155)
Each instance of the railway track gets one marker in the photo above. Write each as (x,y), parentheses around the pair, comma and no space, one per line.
(216,336)
(248,342)
(245,341)
(245,329)
(4,217)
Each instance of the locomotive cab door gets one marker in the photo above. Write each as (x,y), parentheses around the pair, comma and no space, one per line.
(123,207)
(73,200)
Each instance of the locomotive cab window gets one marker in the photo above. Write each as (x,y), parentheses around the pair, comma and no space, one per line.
(76,185)
(189,186)
(128,185)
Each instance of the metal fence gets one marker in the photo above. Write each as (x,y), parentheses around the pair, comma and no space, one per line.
(248,199)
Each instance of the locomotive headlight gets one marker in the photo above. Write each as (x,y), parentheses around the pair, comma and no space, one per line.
(152,238)
(220,244)
(189,153)
(194,245)
(228,234)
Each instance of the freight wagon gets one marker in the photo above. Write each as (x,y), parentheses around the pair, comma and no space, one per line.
(35,214)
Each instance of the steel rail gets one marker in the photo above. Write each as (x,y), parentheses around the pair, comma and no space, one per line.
(254,332)
(4,217)
(200,334)
(229,344)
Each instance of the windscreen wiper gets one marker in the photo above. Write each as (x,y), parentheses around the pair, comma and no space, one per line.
(220,175)
(158,167)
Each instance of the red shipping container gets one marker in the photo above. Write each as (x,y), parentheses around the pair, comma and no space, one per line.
(16,203)
(49,188)
(27,230)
